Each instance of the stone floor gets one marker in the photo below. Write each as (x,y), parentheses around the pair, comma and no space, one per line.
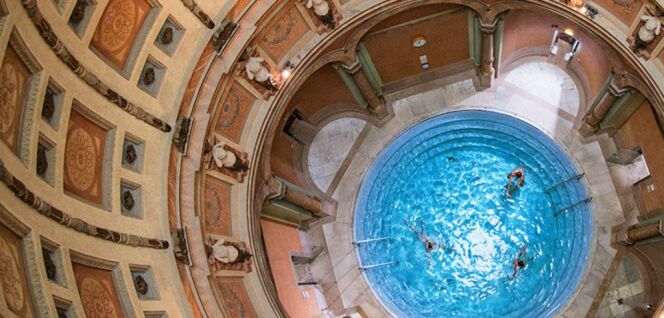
(535,92)
(626,285)
(330,147)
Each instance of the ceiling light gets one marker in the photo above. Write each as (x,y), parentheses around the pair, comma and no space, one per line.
(569,31)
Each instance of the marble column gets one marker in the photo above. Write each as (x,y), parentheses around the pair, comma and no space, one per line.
(304,201)
(487,71)
(637,233)
(290,203)
(359,81)
(595,115)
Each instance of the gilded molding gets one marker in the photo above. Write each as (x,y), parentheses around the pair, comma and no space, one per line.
(91,79)
(28,197)
(199,13)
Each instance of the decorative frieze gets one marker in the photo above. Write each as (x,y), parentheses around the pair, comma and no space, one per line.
(91,79)
(30,198)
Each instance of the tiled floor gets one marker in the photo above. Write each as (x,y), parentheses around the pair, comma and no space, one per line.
(626,285)
(330,147)
(548,83)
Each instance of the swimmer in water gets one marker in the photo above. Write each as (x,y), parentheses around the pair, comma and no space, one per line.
(519,262)
(518,173)
(422,235)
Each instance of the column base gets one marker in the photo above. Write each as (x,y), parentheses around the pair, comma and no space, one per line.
(586,130)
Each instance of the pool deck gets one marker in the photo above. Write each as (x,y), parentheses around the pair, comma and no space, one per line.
(350,288)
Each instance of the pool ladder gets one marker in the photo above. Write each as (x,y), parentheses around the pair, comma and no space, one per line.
(573,178)
(584,201)
(360,242)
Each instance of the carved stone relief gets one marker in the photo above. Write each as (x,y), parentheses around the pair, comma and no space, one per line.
(97,291)
(234,298)
(217,206)
(229,255)
(14,76)
(12,275)
(84,154)
(118,28)
(233,111)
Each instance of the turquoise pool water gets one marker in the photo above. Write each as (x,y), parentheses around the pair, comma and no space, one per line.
(450,172)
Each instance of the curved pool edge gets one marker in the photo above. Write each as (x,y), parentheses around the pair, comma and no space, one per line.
(586,157)
(489,124)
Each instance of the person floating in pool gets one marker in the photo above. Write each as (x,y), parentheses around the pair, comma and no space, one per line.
(518,173)
(519,262)
(422,235)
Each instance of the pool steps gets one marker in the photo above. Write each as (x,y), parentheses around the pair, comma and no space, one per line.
(562,194)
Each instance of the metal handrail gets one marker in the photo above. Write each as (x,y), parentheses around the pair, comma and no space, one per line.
(358,243)
(363,268)
(586,200)
(576,177)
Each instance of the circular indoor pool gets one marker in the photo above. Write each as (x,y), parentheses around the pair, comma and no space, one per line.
(449,174)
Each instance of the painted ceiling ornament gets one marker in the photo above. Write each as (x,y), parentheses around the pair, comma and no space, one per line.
(80,159)
(118,23)
(9,277)
(323,11)
(96,299)
(650,29)
(626,4)
(8,97)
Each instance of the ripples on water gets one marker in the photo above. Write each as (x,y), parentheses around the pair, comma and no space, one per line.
(450,172)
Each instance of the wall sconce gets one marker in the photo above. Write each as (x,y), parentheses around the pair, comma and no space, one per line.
(588,11)
(286,70)
(582,8)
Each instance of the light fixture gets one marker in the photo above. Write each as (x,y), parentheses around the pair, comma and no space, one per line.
(287,70)
(419,41)
(589,11)
(569,31)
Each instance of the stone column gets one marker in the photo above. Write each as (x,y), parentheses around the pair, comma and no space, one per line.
(375,103)
(304,201)
(299,198)
(595,115)
(635,234)
(487,71)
